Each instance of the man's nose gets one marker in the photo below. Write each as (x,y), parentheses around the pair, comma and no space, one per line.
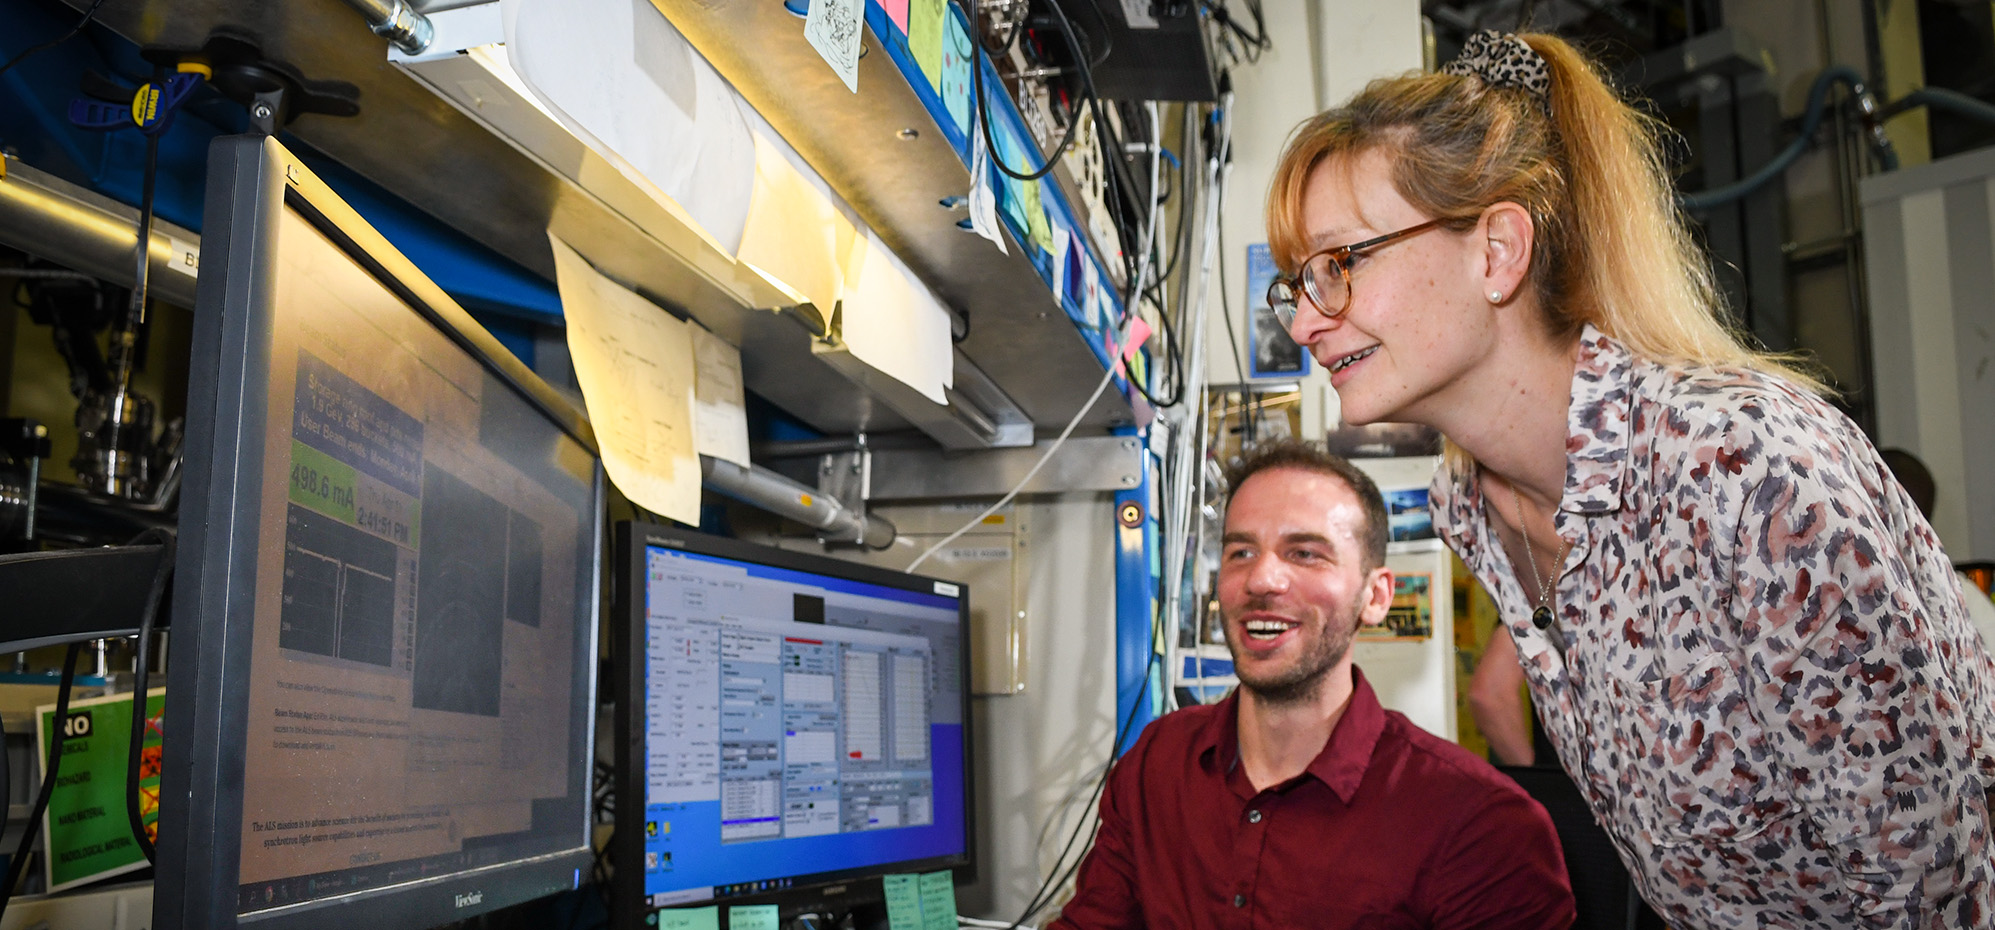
(1267,575)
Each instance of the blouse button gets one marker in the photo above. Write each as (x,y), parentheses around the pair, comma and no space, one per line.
(1239,900)
(1254,816)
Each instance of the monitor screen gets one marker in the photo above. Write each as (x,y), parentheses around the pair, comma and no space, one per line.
(382,688)
(794,720)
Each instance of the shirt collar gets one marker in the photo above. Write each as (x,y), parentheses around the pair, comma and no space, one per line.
(1342,763)
(1597,424)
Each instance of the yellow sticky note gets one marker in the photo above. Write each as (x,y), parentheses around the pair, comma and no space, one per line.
(753,917)
(924,38)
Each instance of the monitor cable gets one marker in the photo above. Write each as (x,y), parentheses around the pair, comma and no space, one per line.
(17,866)
(141,721)
(1056,878)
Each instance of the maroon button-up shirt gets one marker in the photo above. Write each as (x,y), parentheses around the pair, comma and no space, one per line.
(1388,827)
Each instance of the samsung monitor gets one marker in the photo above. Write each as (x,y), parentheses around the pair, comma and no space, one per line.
(789,727)
(380,701)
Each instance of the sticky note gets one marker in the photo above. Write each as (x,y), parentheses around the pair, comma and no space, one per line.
(1035,214)
(938,901)
(896,10)
(903,902)
(957,56)
(699,918)
(753,917)
(924,38)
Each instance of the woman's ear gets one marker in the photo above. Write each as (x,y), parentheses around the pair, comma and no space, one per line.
(1505,234)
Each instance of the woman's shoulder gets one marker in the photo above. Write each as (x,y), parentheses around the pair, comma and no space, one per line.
(1749,420)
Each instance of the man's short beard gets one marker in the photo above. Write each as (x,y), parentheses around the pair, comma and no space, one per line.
(1302,683)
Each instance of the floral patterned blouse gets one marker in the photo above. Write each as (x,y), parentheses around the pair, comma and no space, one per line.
(1760,673)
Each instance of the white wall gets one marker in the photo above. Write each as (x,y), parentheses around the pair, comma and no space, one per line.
(1324,53)
(1035,747)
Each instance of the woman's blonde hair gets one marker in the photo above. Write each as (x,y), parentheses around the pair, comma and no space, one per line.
(1612,248)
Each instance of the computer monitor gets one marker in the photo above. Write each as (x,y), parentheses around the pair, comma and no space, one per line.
(380,700)
(789,727)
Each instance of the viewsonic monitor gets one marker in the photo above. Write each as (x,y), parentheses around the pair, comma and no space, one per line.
(380,704)
(789,728)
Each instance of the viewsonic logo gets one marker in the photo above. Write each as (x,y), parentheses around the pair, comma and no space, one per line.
(467,900)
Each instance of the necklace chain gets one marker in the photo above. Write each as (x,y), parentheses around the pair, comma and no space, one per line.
(1545,585)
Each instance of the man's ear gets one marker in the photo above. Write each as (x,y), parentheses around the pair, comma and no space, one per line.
(1378,596)
(1506,235)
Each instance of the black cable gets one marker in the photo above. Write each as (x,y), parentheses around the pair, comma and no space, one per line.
(140,670)
(984,110)
(88,15)
(32,828)
(1042,897)
(6,783)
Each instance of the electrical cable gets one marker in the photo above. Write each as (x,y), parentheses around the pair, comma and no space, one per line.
(1042,897)
(984,110)
(19,864)
(140,670)
(6,784)
(1107,375)
(88,15)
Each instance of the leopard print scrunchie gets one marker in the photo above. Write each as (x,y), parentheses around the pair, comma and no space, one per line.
(1504,60)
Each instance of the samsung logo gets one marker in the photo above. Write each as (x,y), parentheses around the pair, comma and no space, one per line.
(468,900)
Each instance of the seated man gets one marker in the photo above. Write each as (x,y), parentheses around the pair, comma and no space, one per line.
(1299,801)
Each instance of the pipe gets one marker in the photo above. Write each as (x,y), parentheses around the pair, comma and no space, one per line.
(53,219)
(1811,119)
(398,22)
(1940,98)
(779,495)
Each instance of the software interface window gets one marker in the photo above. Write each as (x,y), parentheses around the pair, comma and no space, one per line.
(784,708)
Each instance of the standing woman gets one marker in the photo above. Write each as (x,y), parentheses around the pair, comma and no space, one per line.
(1742,638)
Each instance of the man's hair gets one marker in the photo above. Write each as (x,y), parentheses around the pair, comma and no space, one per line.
(1308,456)
(1914,475)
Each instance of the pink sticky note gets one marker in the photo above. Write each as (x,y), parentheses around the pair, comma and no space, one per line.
(1139,333)
(896,11)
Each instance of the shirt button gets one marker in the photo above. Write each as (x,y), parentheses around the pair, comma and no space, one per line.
(1239,900)
(1254,816)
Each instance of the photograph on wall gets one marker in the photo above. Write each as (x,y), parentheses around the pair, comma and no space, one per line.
(1412,613)
(1270,352)
(1407,514)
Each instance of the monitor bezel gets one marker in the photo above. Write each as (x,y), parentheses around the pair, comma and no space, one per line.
(252,180)
(846,887)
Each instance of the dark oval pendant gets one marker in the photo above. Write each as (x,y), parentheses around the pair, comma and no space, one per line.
(1542,617)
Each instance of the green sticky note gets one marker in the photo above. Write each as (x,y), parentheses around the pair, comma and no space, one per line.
(1035,215)
(924,38)
(938,901)
(752,917)
(698,918)
(903,898)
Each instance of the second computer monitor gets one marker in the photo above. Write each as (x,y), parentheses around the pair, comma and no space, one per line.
(789,721)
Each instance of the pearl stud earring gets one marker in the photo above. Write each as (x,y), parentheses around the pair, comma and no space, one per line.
(1496,297)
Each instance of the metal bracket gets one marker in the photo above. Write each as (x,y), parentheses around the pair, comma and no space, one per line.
(847,476)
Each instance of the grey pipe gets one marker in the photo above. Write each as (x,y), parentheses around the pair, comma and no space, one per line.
(398,22)
(786,498)
(53,219)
